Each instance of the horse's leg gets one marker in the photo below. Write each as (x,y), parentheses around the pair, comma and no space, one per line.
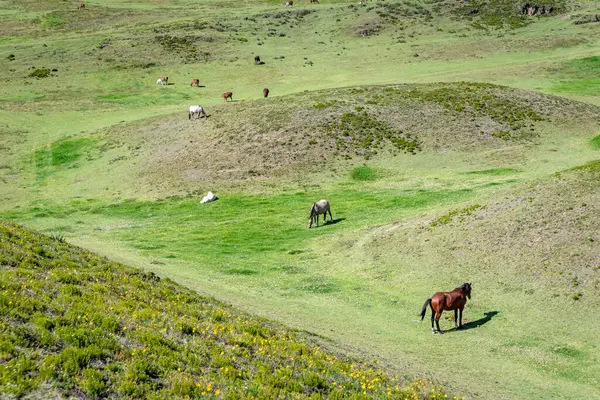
(438,315)
(460,323)
(456,318)
(432,320)
(330,216)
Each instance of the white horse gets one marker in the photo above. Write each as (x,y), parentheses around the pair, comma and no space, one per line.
(163,80)
(320,207)
(196,110)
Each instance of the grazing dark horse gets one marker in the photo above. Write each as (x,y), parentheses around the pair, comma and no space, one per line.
(256,60)
(320,207)
(227,95)
(195,82)
(454,300)
(314,1)
(265,93)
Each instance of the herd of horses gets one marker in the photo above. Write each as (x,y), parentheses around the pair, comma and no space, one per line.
(197,109)
(440,301)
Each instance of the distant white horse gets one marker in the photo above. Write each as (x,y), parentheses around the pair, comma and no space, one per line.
(320,207)
(163,80)
(196,110)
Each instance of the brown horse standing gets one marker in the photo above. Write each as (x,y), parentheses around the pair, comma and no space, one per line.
(195,82)
(80,6)
(227,95)
(454,300)
(265,93)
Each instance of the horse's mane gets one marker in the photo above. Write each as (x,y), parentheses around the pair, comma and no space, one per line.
(313,209)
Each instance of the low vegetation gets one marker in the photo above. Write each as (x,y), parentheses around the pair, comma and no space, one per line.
(75,323)
(498,14)
(363,134)
(458,215)
(40,73)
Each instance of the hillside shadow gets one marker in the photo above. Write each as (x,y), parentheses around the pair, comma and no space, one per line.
(477,323)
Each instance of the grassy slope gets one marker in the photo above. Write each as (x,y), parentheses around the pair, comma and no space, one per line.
(76,324)
(54,169)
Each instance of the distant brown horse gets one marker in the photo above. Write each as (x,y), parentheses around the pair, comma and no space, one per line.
(227,95)
(265,93)
(454,300)
(195,82)
(80,6)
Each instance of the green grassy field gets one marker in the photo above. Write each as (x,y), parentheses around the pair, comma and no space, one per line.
(448,143)
(78,325)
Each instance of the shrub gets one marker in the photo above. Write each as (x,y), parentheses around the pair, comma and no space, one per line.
(93,382)
(40,73)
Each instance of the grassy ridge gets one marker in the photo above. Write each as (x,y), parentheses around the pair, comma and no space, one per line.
(252,142)
(77,324)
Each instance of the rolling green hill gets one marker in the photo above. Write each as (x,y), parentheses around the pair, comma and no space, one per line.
(77,325)
(456,141)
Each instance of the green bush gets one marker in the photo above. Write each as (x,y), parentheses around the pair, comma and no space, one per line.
(40,73)
(93,382)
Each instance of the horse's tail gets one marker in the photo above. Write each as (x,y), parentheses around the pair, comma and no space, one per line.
(424,310)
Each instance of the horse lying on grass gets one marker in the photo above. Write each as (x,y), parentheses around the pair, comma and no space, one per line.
(454,300)
(320,207)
